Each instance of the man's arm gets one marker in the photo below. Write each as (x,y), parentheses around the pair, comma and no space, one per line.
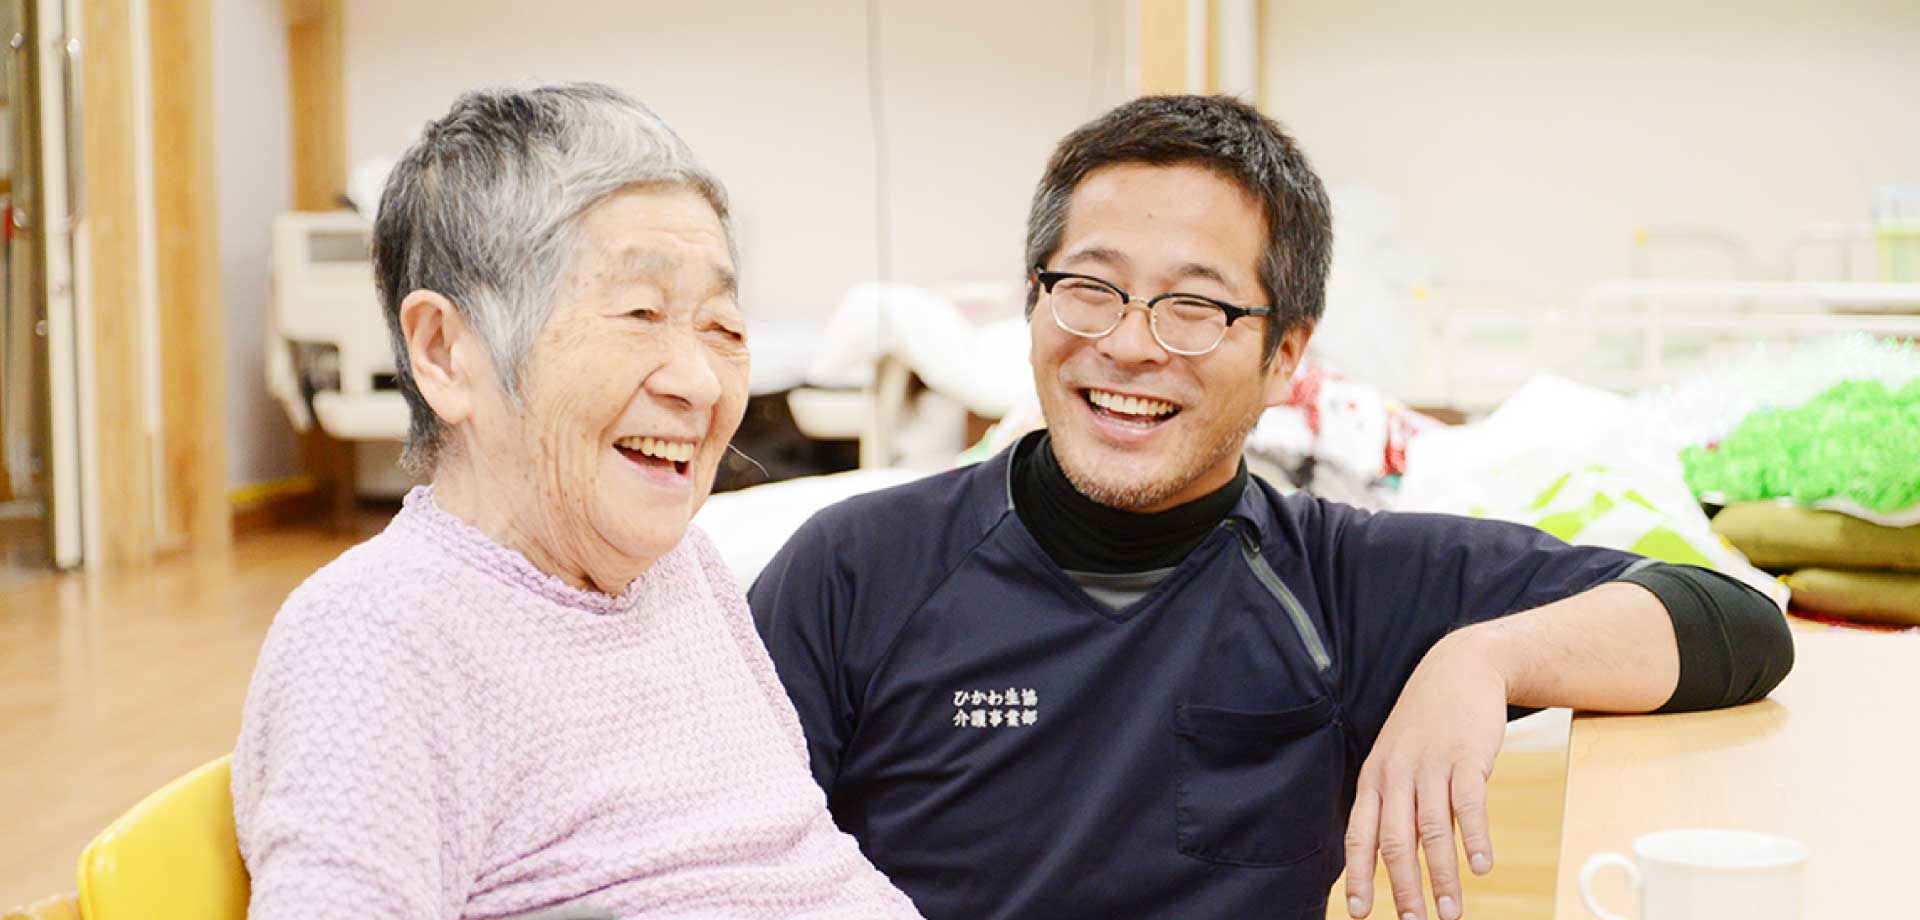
(1594,631)
(1611,648)
(1733,642)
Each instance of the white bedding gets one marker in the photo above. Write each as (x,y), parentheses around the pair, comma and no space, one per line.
(750,525)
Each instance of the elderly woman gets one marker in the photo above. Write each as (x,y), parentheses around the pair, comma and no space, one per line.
(538,690)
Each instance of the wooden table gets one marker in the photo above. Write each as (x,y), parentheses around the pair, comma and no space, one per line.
(1832,759)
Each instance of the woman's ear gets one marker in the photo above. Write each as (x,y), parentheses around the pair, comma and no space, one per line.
(1293,345)
(439,345)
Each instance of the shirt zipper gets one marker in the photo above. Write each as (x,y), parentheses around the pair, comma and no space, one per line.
(1302,624)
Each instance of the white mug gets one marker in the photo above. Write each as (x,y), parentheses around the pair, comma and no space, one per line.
(1707,875)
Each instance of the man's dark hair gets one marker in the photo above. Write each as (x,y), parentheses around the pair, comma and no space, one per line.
(1231,138)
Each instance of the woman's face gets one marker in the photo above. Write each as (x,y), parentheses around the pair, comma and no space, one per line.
(630,395)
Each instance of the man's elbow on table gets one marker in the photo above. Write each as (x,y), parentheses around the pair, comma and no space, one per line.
(1735,643)
(1663,638)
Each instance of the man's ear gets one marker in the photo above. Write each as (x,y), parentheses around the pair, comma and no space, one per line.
(440,347)
(1293,346)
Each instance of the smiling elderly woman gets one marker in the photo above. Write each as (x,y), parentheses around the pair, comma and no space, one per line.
(538,690)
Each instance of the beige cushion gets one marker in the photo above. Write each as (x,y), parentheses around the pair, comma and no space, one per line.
(1777,536)
(1892,598)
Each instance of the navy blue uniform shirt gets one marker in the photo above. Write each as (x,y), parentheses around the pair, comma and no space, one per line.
(1003,745)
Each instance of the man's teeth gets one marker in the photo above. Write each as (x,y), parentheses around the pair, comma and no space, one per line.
(1129,405)
(674,451)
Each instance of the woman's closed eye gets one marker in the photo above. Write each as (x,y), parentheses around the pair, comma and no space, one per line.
(727,332)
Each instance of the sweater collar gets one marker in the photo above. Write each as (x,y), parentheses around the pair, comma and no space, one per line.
(422,515)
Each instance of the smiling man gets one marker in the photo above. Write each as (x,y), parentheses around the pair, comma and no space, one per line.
(1109,674)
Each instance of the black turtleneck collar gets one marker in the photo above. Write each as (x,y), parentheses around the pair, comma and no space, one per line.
(1083,535)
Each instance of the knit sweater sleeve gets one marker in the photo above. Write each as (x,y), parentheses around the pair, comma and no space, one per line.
(348,792)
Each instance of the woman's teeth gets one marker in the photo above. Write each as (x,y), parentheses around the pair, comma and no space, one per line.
(671,451)
(1129,405)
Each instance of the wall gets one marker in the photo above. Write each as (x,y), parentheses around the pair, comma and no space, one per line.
(774,96)
(253,148)
(1526,142)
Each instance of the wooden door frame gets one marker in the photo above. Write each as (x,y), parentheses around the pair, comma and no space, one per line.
(157,483)
(316,83)
(192,320)
(1175,45)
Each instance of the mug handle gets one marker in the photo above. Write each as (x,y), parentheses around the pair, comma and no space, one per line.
(1592,869)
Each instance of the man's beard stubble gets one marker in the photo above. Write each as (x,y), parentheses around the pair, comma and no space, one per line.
(1135,496)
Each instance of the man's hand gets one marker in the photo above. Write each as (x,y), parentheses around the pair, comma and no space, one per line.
(1427,772)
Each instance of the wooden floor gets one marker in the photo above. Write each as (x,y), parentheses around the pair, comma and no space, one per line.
(23,549)
(113,684)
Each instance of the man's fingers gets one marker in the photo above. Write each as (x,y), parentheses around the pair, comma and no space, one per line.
(1435,822)
(1470,812)
(1363,828)
(1400,848)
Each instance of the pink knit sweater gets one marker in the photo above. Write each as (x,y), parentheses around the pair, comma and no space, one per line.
(436,730)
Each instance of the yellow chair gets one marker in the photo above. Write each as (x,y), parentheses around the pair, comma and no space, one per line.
(173,857)
(58,907)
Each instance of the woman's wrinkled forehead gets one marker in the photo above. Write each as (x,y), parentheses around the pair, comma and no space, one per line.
(668,238)
(710,276)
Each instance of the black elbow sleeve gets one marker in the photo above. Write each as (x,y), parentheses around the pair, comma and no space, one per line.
(1734,644)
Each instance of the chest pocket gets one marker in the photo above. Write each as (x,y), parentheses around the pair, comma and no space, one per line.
(1256,788)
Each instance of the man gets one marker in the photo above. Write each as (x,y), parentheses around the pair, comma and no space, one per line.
(1107,674)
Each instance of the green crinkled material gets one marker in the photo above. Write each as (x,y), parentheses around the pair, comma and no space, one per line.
(1858,440)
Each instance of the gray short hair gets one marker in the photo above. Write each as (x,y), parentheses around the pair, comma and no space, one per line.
(483,210)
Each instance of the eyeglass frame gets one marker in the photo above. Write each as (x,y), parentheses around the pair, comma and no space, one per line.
(1234,312)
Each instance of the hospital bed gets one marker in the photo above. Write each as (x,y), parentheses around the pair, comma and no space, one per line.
(1633,336)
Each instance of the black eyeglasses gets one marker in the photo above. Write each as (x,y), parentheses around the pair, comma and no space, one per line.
(1184,324)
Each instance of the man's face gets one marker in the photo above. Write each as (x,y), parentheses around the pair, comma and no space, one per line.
(1133,425)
